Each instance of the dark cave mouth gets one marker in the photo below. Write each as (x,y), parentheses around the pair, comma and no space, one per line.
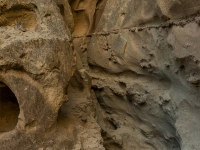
(9,109)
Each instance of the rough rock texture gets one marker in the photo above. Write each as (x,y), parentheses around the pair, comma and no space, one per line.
(36,62)
(143,61)
(99,75)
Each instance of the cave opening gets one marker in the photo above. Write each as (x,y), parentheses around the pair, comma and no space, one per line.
(9,109)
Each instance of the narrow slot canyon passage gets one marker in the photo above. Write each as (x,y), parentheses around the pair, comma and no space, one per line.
(9,109)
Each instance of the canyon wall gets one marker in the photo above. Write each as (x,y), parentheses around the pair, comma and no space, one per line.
(99,75)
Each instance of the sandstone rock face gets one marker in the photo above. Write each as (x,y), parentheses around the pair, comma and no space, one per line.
(99,75)
(36,62)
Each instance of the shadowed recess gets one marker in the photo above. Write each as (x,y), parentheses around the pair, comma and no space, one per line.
(9,109)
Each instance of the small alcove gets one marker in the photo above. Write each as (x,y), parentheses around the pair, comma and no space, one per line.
(9,109)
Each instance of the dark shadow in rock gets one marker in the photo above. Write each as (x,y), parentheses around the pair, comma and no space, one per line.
(9,109)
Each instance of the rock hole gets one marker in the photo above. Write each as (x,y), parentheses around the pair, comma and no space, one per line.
(182,68)
(19,14)
(9,109)
(122,85)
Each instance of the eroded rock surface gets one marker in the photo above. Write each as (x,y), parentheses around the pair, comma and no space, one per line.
(99,75)
(143,61)
(36,62)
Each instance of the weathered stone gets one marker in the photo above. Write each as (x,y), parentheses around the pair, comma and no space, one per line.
(37,62)
(99,74)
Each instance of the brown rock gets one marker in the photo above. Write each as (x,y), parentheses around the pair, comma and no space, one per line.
(99,75)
